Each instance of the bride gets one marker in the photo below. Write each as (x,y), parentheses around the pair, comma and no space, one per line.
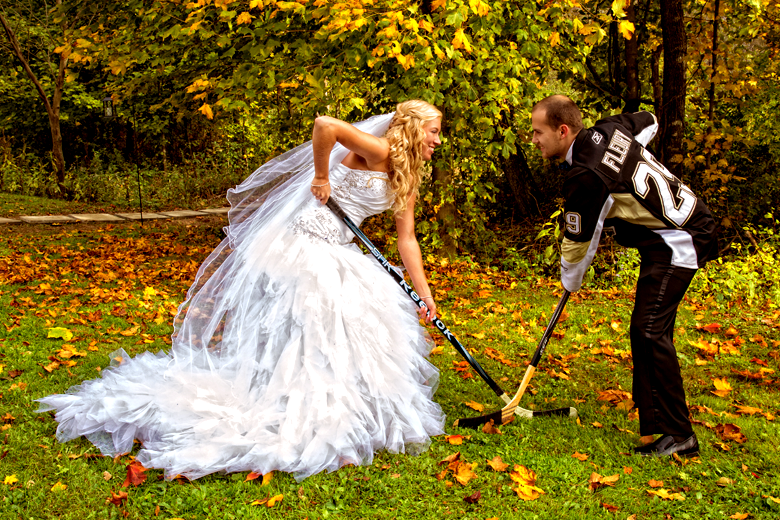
(293,351)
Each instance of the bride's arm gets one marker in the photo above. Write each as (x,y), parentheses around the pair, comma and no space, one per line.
(412,258)
(327,132)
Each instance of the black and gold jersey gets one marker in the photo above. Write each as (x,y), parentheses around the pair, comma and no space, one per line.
(614,181)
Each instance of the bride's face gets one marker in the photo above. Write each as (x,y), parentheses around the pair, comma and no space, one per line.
(432,131)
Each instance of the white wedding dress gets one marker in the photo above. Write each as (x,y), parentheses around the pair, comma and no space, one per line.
(302,356)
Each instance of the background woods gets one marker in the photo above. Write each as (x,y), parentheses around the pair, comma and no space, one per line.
(207,90)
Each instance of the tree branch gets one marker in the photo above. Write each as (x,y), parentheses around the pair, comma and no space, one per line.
(30,74)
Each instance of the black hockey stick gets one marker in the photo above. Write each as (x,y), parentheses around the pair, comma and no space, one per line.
(522,412)
(508,412)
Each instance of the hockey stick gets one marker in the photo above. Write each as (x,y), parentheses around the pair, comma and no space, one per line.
(522,412)
(508,412)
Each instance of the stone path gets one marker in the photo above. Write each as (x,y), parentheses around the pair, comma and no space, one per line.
(112,217)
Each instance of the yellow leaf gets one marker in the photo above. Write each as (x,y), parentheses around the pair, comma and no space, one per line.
(555,39)
(244,18)
(59,486)
(267,479)
(465,472)
(580,456)
(479,335)
(273,500)
(206,111)
(438,3)
(460,41)
(722,387)
(626,28)
(454,439)
(475,405)
(60,332)
(479,7)
(617,8)
(437,350)
(665,495)
(10,479)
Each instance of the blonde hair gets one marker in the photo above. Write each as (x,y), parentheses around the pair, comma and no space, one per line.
(406,136)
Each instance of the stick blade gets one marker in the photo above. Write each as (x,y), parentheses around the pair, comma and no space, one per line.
(476,422)
(567,411)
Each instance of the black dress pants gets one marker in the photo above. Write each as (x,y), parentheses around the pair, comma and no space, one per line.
(658,387)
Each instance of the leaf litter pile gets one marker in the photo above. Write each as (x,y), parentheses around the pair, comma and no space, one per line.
(72,295)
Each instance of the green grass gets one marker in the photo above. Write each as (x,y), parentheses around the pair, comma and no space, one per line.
(62,277)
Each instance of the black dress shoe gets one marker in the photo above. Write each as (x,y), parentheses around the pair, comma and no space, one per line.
(665,446)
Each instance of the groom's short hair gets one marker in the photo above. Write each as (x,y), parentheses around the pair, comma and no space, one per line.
(560,110)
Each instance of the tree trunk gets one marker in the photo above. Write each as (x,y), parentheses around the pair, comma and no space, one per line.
(446,215)
(522,183)
(633,92)
(673,109)
(655,80)
(52,107)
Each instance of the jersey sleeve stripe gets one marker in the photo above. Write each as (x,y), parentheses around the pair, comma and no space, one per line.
(646,135)
(572,273)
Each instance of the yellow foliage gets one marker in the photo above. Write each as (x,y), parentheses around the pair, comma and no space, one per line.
(479,7)
(460,41)
(626,28)
(244,18)
(555,39)
(206,111)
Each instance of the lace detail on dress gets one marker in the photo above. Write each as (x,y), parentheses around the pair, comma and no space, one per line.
(362,180)
(317,224)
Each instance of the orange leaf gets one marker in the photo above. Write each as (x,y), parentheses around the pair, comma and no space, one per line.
(730,432)
(135,474)
(464,473)
(596,481)
(712,328)
(267,478)
(252,476)
(454,439)
(117,499)
(628,470)
(656,483)
(450,458)
(497,464)
(490,428)
(580,456)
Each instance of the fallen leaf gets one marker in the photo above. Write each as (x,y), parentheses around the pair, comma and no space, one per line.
(597,424)
(497,464)
(473,498)
(59,332)
(465,472)
(252,476)
(135,474)
(580,456)
(59,486)
(454,439)
(526,483)
(739,516)
(107,476)
(10,479)
(724,481)
(596,481)
(450,458)
(628,470)
(665,495)
(267,478)
(490,428)
(117,499)
(609,507)
(475,405)
(730,432)
(722,387)
(656,483)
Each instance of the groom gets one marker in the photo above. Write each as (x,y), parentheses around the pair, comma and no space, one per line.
(614,181)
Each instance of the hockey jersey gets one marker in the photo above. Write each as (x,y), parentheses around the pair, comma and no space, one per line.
(614,181)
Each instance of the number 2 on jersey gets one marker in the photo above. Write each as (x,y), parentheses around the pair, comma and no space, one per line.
(679,213)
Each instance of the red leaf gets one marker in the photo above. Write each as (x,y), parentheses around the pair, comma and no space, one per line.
(473,498)
(252,476)
(712,328)
(135,474)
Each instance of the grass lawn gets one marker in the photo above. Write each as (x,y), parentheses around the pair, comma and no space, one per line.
(118,286)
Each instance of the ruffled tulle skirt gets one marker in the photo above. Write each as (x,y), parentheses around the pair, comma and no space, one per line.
(316,360)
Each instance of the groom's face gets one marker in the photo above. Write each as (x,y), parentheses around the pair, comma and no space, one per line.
(550,141)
